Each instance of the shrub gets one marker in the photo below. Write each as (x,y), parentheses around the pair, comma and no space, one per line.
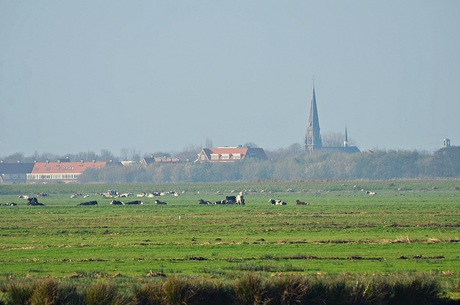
(418,291)
(288,290)
(211,292)
(337,292)
(374,292)
(45,292)
(148,294)
(102,293)
(19,293)
(177,290)
(249,289)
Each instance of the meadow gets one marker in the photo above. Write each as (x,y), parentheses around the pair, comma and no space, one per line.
(408,227)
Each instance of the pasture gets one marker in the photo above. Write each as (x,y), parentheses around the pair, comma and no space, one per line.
(407,227)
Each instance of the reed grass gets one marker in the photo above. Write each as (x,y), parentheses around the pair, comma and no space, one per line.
(250,289)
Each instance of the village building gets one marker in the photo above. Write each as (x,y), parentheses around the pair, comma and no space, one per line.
(14,172)
(146,161)
(230,154)
(61,171)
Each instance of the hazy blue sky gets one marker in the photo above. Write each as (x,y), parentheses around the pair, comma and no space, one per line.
(148,76)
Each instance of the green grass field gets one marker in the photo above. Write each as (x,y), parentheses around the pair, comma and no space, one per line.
(408,227)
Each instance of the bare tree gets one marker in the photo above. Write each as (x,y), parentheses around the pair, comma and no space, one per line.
(251,144)
(208,143)
(332,139)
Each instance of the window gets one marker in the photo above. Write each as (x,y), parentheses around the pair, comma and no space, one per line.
(225,156)
(237,156)
(214,156)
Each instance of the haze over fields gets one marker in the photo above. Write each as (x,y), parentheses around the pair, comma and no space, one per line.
(163,75)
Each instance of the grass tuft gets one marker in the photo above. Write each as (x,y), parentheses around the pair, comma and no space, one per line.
(177,290)
(249,289)
(417,291)
(19,292)
(100,293)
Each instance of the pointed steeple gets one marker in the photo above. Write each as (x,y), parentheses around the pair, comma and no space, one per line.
(313,137)
(313,119)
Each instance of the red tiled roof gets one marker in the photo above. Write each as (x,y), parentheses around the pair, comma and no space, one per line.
(229,150)
(65,167)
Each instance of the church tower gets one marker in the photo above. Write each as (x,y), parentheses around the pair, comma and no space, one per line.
(313,136)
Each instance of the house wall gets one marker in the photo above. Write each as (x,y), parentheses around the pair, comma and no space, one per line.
(52,176)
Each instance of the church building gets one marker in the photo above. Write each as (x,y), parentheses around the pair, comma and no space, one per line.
(313,140)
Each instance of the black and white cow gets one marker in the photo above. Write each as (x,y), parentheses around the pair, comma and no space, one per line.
(134,202)
(123,195)
(201,201)
(10,204)
(116,202)
(298,202)
(92,202)
(159,202)
(277,202)
(33,201)
(230,199)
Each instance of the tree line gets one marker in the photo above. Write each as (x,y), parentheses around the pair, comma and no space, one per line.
(285,164)
(289,165)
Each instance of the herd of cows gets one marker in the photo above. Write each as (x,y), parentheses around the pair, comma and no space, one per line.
(236,200)
(239,200)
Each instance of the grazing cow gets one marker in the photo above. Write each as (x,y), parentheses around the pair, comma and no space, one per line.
(10,204)
(109,194)
(23,197)
(230,199)
(92,202)
(135,202)
(124,195)
(33,201)
(201,201)
(220,202)
(371,193)
(298,202)
(276,202)
(240,199)
(116,202)
(160,202)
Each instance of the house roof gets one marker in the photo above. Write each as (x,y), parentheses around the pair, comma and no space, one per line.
(346,149)
(223,154)
(15,168)
(167,160)
(151,160)
(65,167)
(148,160)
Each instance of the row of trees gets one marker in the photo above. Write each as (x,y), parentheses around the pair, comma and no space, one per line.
(287,164)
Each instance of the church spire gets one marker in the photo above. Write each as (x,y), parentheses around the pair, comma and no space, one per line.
(313,137)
